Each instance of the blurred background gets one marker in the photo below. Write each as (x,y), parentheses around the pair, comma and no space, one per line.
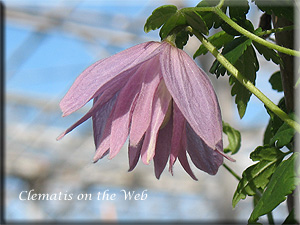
(47,45)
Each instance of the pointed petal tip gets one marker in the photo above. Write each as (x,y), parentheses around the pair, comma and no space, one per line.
(95,159)
(226,156)
(64,115)
(157,176)
(61,136)
(110,157)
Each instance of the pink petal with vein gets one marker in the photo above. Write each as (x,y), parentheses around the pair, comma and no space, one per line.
(123,111)
(100,118)
(203,157)
(99,104)
(101,72)
(177,136)
(102,141)
(193,93)
(163,148)
(160,106)
(134,153)
(142,113)
(182,157)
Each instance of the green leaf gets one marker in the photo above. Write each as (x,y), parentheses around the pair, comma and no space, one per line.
(210,18)
(243,23)
(247,64)
(283,8)
(218,40)
(238,9)
(267,153)
(195,21)
(283,136)
(159,17)
(282,183)
(267,53)
(181,39)
(257,176)
(234,138)
(208,3)
(275,81)
(232,51)
(274,123)
(241,54)
(175,20)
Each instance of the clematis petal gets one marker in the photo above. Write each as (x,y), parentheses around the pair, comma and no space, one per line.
(160,106)
(102,150)
(100,104)
(101,72)
(134,153)
(163,148)
(100,118)
(204,157)
(141,116)
(182,157)
(193,93)
(123,111)
(102,136)
(177,135)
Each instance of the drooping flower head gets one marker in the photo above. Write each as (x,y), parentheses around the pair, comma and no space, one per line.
(156,95)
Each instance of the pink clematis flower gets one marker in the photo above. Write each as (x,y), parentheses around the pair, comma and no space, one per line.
(157,95)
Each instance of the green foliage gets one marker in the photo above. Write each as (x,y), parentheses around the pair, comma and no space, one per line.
(268,53)
(282,183)
(241,54)
(232,51)
(283,136)
(266,152)
(257,176)
(238,9)
(275,81)
(247,64)
(195,20)
(210,18)
(270,179)
(237,12)
(182,38)
(283,8)
(159,17)
(177,19)
(243,23)
(234,138)
(218,40)
(274,123)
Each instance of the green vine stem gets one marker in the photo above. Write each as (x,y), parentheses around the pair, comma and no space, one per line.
(276,30)
(217,9)
(252,36)
(234,72)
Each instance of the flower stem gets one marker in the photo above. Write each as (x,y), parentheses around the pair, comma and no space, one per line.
(244,81)
(232,172)
(254,37)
